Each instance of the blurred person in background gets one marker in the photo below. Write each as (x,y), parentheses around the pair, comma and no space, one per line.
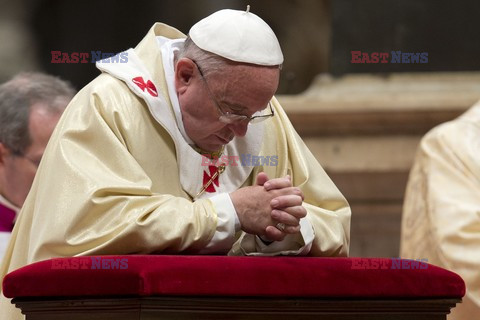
(30,107)
(441,212)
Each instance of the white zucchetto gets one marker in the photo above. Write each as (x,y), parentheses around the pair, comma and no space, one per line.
(239,36)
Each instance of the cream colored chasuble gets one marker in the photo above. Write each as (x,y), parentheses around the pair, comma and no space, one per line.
(193,171)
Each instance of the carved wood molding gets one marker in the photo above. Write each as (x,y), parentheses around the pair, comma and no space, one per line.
(408,122)
(232,308)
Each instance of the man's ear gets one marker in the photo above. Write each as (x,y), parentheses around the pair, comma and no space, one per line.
(184,71)
(4,152)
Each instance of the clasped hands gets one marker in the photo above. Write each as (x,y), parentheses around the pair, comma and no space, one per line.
(269,202)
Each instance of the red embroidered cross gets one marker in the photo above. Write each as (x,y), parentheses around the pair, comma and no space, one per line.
(151,89)
(207,177)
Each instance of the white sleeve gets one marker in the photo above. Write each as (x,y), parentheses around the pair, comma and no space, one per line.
(4,239)
(227,225)
(293,244)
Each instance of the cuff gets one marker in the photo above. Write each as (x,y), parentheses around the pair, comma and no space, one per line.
(227,224)
(293,244)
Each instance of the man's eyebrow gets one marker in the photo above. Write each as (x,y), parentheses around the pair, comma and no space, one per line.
(233,106)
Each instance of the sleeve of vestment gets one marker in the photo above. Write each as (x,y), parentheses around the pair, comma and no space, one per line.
(108,184)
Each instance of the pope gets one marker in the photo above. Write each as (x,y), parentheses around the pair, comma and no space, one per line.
(123,172)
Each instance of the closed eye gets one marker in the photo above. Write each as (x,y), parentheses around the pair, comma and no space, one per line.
(235,109)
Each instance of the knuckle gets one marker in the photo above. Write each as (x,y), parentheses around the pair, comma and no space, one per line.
(292,229)
(296,200)
(298,192)
(296,223)
(298,212)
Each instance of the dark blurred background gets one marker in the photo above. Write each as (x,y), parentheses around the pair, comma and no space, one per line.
(361,121)
(317,36)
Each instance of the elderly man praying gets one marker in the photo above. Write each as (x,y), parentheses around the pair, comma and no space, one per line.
(123,172)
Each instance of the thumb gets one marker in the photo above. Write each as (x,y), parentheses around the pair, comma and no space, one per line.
(261,178)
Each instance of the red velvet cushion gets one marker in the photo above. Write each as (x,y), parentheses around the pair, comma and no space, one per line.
(146,275)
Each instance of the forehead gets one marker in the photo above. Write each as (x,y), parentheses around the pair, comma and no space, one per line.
(246,85)
(41,124)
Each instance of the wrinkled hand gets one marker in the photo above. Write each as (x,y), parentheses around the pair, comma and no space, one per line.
(254,207)
(261,207)
(287,209)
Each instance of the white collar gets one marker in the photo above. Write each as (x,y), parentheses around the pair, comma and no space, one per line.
(8,204)
(168,48)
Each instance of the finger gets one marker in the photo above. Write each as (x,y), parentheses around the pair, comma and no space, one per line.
(285,201)
(261,179)
(274,234)
(291,229)
(277,183)
(297,212)
(285,218)
(289,190)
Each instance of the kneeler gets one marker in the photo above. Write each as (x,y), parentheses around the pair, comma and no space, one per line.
(220,287)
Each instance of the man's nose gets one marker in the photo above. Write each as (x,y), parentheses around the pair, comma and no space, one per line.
(239,128)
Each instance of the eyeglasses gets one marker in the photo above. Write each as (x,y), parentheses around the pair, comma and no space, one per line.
(230,117)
